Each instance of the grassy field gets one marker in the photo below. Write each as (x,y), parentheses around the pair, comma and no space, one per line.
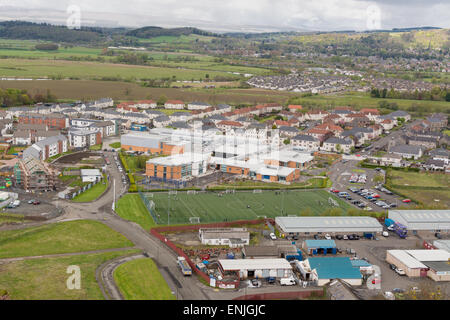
(428,189)
(140,280)
(63,237)
(131,207)
(14,67)
(115,145)
(209,207)
(46,278)
(93,193)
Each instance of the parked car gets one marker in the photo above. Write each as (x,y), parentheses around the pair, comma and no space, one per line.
(406,200)
(272,236)
(398,290)
(400,272)
(392,266)
(36,202)
(288,281)
(345,237)
(271,280)
(254,283)
(339,237)
(350,237)
(438,235)
(316,237)
(328,237)
(355,237)
(385,234)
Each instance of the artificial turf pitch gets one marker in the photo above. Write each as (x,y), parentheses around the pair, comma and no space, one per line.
(210,207)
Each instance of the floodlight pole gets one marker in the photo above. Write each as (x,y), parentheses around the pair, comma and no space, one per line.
(168,211)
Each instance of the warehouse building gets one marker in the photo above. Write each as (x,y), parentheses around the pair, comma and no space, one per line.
(256,268)
(315,247)
(305,225)
(442,244)
(422,263)
(324,270)
(422,219)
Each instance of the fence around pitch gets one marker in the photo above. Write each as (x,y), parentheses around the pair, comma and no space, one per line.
(156,231)
(146,202)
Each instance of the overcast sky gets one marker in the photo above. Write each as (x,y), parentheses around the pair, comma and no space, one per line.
(238,15)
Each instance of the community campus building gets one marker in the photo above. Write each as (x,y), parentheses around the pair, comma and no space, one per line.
(186,154)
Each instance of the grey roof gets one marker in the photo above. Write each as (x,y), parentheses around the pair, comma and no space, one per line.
(406,149)
(149,111)
(21,134)
(436,163)
(180,125)
(141,140)
(328,224)
(422,219)
(257,125)
(217,117)
(399,113)
(288,129)
(335,140)
(223,106)
(180,113)
(265,251)
(135,115)
(50,140)
(440,152)
(423,139)
(161,118)
(305,137)
(200,103)
(438,266)
(45,133)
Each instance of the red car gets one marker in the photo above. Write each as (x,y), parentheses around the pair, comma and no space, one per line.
(406,201)
(376,196)
(36,202)
(334,190)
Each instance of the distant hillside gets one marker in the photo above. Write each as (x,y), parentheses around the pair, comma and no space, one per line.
(47,32)
(151,32)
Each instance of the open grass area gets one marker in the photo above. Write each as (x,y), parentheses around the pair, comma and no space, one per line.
(115,145)
(96,147)
(45,278)
(63,69)
(131,207)
(92,193)
(63,237)
(140,279)
(427,189)
(210,207)
(13,150)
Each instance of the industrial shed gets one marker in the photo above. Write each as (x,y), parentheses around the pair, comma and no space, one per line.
(324,270)
(422,219)
(233,237)
(256,268)
(297,225)
(442,244)
(421,263)
(314,247)
(401,259)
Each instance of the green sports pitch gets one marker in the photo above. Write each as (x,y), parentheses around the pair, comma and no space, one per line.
(188,207)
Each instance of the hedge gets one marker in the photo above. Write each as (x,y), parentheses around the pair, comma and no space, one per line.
(364,164)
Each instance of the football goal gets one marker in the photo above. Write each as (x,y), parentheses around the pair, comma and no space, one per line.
(257,191)
(194,220)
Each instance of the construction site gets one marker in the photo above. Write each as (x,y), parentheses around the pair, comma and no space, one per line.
(31,174)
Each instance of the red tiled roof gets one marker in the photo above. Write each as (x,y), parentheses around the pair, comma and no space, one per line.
(230,123)
(295,106)
(174,102)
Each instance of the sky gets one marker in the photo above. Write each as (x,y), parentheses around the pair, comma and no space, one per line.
(235,15)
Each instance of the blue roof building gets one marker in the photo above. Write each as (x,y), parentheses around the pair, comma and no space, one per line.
(314,247)
(328,269)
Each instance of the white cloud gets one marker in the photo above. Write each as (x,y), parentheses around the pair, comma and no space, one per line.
(235,14)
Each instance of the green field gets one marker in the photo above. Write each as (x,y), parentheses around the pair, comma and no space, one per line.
(427,189)
(209,207)
(92,193)
(131,207)
(45,278)
(115,145)
(62,237)
(14,67)
(140,279)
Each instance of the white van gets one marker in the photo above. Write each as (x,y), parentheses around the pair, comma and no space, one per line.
(288,281)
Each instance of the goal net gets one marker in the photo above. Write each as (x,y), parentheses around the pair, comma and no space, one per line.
(172,193)
(257,191)
(230,191)
(151,205)
(149,195)
(192,192)
(194,220)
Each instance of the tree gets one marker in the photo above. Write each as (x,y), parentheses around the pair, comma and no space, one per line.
(161,100)
(287,141)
